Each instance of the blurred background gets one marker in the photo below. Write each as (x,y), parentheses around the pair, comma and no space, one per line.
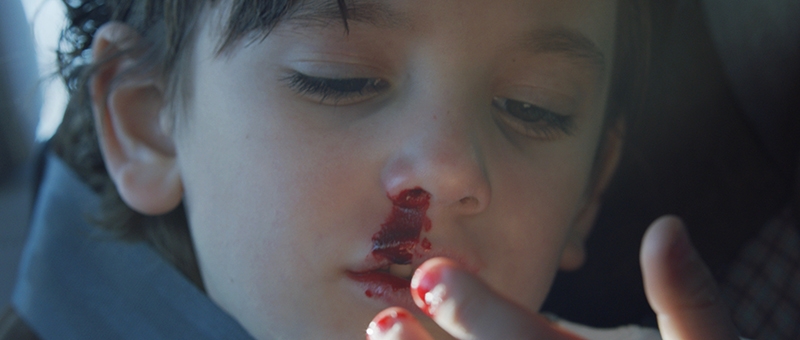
(32,102)
(717,144)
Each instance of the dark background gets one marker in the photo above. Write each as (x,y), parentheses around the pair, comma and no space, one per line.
(709,147)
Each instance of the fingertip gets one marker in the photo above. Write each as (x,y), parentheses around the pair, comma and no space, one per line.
(665,241)
(426,284)
(662,231)
(385,321)
(667,257)
(395,323)
(667,221)
(433,265)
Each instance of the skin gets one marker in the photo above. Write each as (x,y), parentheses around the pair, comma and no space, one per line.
(679,287)
(284,190)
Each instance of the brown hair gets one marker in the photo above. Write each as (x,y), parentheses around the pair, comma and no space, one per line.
(167,27)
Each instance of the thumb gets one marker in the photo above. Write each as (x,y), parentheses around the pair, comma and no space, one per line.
(679,286)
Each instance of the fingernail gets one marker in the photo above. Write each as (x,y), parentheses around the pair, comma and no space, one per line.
(427,289)
(383,323)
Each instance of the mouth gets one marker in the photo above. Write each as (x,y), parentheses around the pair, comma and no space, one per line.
(394,276)
(388,283)
(403,271)
(398,271)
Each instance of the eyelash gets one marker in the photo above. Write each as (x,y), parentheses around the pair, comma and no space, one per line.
(529,119)
(532,120)
(333,91)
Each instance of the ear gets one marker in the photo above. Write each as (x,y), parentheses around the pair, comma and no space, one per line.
(128,111)
(574,253)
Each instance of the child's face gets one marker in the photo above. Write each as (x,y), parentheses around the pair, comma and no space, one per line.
(288,177)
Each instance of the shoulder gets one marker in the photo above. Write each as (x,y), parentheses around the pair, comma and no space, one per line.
(13,327)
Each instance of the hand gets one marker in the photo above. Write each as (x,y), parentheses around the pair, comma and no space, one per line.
(678,285)
(462,305)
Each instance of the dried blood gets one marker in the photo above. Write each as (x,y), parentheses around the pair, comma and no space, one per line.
(400,233)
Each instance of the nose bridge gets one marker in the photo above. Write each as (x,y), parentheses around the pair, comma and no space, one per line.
(441,151)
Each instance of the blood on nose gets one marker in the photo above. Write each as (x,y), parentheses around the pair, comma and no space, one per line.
(400,233)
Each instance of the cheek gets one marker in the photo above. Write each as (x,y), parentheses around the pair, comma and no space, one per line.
(536,197)
(265,201)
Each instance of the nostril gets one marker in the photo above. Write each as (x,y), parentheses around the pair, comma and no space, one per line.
(469,201)
(416,198)
(470,205)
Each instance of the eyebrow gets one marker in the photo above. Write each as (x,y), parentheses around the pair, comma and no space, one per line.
(564,41)
(559,40)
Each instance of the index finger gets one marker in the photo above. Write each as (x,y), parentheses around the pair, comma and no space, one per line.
(467,308)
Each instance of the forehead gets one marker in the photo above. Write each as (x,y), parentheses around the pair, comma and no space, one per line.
(581,29)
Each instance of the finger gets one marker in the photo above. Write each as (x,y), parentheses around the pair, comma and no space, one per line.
(467,308)
(396,323)
(679,286)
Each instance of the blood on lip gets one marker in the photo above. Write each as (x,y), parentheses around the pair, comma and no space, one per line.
(400,233)
(380,283)
(395,243)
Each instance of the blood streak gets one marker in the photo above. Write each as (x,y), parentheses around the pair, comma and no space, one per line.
(399,234)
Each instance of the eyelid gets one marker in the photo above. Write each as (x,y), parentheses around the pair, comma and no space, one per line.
(335,69)
(544,97)
(334,91)
(547,126)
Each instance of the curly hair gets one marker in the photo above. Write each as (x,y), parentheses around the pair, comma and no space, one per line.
(167,28)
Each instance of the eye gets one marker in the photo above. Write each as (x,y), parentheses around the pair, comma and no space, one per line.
(533,121)
(336,91)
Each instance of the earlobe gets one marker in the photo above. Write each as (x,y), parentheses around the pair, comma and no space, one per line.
(574,254)
(128,109)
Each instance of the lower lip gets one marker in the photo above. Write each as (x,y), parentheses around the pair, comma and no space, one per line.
(381,286)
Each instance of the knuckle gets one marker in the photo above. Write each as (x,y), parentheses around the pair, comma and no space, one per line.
(703,296)
(700,290)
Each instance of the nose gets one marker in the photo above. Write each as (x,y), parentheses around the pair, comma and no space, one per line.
(440,153)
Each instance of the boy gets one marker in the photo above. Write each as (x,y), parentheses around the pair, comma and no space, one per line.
(299,161)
